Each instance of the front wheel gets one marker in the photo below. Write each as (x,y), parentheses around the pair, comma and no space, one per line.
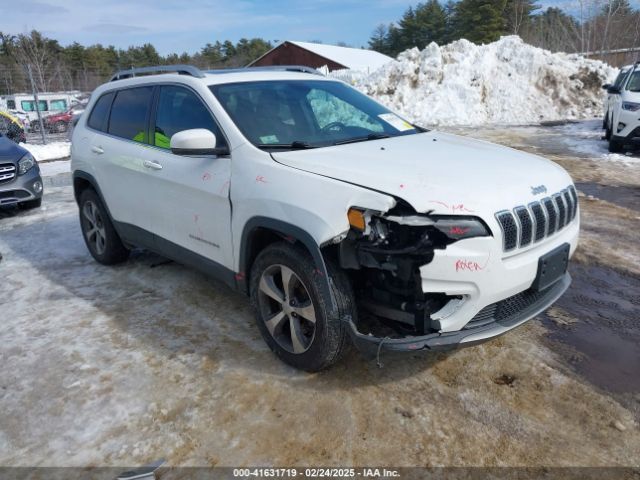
(615,145)
(607,133)
(294,313)
(101,238)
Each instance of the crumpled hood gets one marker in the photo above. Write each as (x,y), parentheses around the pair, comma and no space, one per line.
(10,151)
(438,172)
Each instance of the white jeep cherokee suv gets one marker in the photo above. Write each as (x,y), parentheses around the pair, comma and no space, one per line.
(341,220)
(622,122)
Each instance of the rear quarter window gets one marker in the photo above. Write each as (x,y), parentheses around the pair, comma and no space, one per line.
(129,114)
(100,113)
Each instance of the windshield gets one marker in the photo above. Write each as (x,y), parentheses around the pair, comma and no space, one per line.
(307,114)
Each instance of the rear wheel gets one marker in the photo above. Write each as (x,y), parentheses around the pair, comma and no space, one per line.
(101,238)
(294,313)
(60,127)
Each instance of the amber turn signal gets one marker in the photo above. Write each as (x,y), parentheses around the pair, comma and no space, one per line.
(356,219)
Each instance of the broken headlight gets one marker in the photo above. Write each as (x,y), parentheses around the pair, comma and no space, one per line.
(458,228)
(413,233)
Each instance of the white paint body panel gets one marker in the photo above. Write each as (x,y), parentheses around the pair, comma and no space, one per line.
(214,198)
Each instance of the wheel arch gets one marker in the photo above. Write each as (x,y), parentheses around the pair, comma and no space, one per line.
(259,232)
(83,180)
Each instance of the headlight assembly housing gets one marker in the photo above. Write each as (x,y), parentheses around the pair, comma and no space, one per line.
(631,106)
(26,163)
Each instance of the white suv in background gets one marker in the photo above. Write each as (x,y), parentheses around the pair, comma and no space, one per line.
(623,120)
(341,220)
(613,91)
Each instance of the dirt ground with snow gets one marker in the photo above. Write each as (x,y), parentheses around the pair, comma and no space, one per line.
(124,365)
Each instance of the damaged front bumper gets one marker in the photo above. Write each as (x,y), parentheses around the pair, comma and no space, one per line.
(522,306)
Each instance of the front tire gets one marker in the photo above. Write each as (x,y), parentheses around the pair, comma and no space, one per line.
(98,232)
(615,145)
(294,313)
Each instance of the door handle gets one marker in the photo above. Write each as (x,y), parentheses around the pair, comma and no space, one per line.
(152,165)
(98,150)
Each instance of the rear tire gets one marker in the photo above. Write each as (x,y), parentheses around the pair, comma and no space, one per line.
(615,145)
(293,311)
(98,232)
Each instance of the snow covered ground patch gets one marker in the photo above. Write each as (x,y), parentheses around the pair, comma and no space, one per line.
(51,169)
(505,82)
(586,138)
(50,151)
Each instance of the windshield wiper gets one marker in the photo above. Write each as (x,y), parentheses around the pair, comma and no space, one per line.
(295,145)
(371,136)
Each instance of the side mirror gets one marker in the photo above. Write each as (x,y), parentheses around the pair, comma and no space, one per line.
(197,141)
(614,90)
(606,86)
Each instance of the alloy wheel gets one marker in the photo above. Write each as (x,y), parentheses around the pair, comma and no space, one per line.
(94,227)
(287,308)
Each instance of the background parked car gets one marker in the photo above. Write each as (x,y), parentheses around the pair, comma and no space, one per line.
(12,128)
(613,95)
(58,122)
(624,125)
(62,122)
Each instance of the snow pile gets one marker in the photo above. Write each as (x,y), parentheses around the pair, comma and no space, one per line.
(505,82)
(50,151)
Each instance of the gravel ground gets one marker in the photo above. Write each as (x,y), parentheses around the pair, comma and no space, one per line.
(109,366)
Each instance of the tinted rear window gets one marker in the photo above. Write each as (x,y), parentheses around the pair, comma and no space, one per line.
(100,113)
(129,113)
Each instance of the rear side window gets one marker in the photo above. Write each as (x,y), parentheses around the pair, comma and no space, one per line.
(11,104)
(100,113)
(129,114)
(181,109)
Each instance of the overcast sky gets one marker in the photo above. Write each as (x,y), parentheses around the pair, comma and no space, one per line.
(177,26)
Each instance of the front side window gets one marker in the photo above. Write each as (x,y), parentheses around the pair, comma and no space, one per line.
(129,114)
(30,105)
(633,85)
(620,78)
(180,109)
(58,105)
(307,113)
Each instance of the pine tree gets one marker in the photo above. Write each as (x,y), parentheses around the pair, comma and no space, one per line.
(431,22)
(378,39)
(479,21)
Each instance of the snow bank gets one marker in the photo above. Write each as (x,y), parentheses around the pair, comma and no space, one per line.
(50,151)
(505,82)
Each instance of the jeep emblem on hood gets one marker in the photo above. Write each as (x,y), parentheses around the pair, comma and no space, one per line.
(538,190)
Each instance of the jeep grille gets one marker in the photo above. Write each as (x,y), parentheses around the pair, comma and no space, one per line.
(529,224)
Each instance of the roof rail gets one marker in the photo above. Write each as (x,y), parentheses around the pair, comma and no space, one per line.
(181,69)
(280,68)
